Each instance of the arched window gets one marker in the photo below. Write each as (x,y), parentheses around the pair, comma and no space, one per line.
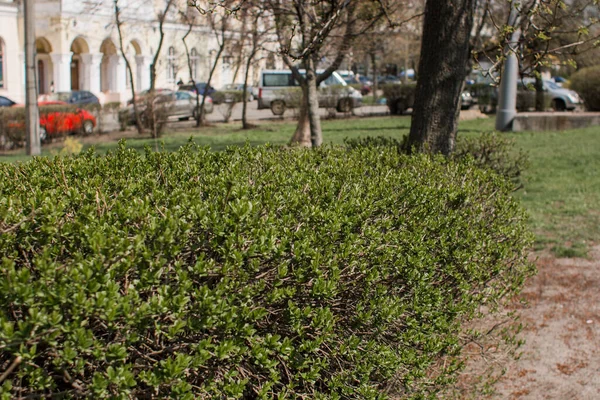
(171,67)
(2,75)
(194,61)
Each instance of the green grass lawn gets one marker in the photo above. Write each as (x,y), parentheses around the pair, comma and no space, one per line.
(562,185)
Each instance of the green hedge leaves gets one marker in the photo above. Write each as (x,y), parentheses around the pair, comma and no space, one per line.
(251,273)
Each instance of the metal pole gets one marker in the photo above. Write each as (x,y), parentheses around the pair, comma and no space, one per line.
(507,97)
(32,118)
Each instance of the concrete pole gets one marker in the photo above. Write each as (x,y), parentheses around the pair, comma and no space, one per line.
(507,96)
(32,116)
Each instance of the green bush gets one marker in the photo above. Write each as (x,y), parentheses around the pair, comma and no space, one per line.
(113,105)
(486,95)
(496,152)
(12,122)
(227,96)
(489,150)
(12,127)
(250,273)
(586,82)
(399,97)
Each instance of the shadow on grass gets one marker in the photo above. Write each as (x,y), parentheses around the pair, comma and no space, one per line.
(362,129)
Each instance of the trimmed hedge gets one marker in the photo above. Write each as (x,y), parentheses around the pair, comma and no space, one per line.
(228,96)
(586,82)
(251,273)
(400,97)
(12,121)
(489,150)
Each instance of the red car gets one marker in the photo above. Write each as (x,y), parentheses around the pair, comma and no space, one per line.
(65,122)
(55,121)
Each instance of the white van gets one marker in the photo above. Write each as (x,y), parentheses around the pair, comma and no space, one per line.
(274,92)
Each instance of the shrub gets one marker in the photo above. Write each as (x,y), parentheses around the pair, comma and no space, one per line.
(112,106)
(586,82)
(486,95)
(227,96)
(227,99)
(399,97)
(488,150)
(251,273)
(496,152)
(58,121)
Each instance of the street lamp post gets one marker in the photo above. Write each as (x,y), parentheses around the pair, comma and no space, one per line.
(32,120)
(507,97)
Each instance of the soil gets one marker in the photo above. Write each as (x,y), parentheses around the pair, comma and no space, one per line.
(560,359)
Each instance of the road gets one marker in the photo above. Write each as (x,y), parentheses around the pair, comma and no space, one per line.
(254,114)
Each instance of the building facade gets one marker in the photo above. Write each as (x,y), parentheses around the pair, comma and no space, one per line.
(78,48)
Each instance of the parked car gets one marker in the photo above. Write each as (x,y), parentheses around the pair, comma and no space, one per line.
(77,97)
(6,102)
(141,96)
(400,98)
(180,104)
(278,88)
(240,87)
(557,97)
(56,120)
(382,80)
(466,100)
(200,87)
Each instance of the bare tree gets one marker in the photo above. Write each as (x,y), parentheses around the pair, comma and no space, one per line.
(151,109)
(261,34)
(219,23)
(119,25)
(305,30)
(190,19)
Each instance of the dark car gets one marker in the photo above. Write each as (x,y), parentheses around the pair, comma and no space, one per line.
(74,97)
(200,87)
(6,102)
(382,80)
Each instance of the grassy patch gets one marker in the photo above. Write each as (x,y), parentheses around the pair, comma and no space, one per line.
(562,188)
(562,185)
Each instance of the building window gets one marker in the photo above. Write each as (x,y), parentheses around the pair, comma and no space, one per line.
(194,61)
(227,60)
(1,63)
(171,67)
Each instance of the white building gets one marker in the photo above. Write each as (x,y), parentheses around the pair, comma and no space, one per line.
(78,48)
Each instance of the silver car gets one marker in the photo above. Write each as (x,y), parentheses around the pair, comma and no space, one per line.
(557,97)
(279,90)
(181,104)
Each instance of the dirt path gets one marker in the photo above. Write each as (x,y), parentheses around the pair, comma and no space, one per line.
(561,355)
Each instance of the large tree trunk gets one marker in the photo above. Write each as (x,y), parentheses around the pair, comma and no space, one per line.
(442,71)
(302,134)
(308,132)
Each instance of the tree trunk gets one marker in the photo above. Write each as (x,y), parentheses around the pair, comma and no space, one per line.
(118,23)
(308,132)
(302,134)
(245,124)
(442,70)
(375,86)
(316,136)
